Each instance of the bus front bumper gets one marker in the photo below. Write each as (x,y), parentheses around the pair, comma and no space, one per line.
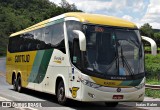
(92,94)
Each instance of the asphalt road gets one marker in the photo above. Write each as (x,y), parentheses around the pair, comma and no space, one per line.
(8,94)
(3,64)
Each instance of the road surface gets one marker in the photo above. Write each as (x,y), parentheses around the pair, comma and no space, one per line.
(8,94)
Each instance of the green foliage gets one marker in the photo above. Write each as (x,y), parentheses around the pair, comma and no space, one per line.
(153,81)
(152,93)
(146,30)
(157,35)
(148,48)
(152,65)
(16,15)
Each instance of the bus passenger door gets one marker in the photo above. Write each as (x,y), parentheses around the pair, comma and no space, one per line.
(74,84)
(74,73)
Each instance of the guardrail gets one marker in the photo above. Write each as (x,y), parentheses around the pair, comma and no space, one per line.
(153,87)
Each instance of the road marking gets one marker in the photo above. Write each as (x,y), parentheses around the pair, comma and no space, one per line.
(1,74)
(5,99)
(12,96)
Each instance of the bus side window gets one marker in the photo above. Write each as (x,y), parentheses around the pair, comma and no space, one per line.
(10,48)
(57,37)
(48,34)
(76,53)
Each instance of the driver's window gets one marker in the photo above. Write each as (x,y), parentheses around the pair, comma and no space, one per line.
(76,59)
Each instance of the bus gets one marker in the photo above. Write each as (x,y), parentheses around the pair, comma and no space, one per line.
(79,56)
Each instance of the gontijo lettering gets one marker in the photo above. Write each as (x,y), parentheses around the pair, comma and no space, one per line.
(22,58)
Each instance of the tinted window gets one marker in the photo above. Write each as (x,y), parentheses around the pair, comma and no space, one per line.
(72,25)
(44,38)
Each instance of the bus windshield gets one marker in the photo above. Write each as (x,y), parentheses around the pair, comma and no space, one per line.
(112,51)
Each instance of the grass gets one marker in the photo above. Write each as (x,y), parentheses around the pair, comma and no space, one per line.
(152,81)
(152,65)
(148,48)
(152,93)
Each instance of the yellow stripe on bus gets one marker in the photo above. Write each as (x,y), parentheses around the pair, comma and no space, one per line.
(109,83)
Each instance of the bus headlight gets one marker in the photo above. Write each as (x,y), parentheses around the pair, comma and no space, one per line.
(90,84)
(140,86)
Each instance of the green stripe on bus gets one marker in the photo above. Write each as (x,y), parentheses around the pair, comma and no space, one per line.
(136,82)
(40,66)
(55,22)
(126,83)
(36,65)
(131,82)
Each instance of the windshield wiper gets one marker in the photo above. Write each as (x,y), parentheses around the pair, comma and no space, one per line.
(125,62)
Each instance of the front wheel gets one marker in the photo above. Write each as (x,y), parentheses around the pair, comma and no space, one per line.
(61,94)
(111,104)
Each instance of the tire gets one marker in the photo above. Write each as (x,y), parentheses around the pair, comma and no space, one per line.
(15,83)
(19,84)
(111,104)
(61,98)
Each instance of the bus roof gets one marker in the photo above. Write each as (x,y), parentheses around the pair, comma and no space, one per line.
(84,17)
(101,19)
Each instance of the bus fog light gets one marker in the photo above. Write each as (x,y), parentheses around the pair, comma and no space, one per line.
(85,82)
(91,95)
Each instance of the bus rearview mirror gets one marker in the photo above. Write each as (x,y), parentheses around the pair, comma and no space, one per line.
(82,39)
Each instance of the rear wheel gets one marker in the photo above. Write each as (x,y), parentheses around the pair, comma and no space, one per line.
(14,83)
(19,84)
(61,93)
(111,104)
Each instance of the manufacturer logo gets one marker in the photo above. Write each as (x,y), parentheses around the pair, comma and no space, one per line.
(74,91)
(58,59)
(118,89)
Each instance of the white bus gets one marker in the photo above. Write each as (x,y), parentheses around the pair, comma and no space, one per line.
(80,56)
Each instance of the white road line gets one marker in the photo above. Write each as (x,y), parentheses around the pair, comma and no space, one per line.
(1,74)
(5,99)
(12,96)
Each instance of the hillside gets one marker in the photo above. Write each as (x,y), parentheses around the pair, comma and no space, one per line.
(16,15)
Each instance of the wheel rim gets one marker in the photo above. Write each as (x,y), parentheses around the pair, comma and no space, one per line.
(61,94)
(19,85)
(14,83)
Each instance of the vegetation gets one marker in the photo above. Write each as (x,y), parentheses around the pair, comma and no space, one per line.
(153,81)
(16,15)
(152,93)
(152,65)
(148,48)
(146,30)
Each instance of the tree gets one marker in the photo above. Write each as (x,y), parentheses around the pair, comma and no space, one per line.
(157,38)
(68,7)
(16,15)
(146,30)
(157,35)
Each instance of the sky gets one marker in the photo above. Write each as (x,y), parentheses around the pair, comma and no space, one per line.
(137,11)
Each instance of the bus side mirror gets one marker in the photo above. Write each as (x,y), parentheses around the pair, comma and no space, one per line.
(153,44)
(82,39)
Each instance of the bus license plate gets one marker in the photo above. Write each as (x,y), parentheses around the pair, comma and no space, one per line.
(117,96)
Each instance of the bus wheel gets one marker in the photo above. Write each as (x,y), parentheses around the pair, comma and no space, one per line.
(61,93)
(19,84)
(14,83)
(111,104)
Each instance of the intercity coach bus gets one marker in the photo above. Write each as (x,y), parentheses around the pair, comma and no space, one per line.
(80,56)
